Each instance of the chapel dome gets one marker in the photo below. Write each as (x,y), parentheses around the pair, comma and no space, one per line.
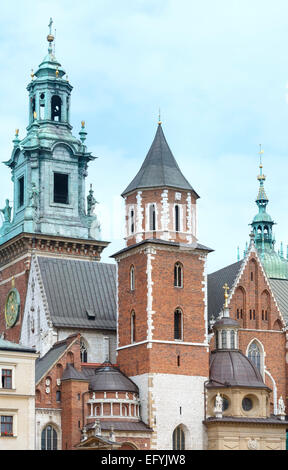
(231,368)
(275,266)
(108,378)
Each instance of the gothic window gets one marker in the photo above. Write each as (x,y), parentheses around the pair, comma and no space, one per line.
(132,278)
(58,395)
(21,191)
(178,324)
(177,218)
(178,439)
(152,217)
(178,275)
(56,104)
(83,351)
(49,438)
(254,355)
(61,188)
(133,327)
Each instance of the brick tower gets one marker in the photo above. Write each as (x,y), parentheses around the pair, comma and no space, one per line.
(49,214)
(162,317)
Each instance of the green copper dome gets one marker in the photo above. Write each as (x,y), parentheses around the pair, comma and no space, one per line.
(275,265)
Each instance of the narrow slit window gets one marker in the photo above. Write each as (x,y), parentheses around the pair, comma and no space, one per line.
(133,327)
(132,278)
(178,275)
(61,188)
(21,191)
(177,218)
(152,217)
(132,221)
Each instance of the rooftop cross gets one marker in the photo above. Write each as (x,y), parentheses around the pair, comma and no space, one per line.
(50,26)
(226,295)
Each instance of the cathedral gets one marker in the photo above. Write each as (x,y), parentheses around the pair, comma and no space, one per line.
(148,351)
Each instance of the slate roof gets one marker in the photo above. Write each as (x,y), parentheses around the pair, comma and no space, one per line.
(280,290)
(44,363)
(80,294)
(216,282)
(159,169)
(71,373)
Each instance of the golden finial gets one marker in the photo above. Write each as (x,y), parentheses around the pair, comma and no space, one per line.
(32,74)
(261,177)
(17,132)
(159,120)
(226,295)
(35,115)
(13,281)
(57,72)
(83,124)
(261,153)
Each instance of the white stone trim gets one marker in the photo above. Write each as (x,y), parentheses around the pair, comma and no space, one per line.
(150,252)
(182,343)
(165,216)
(15,261)
(12,277)
(274,391)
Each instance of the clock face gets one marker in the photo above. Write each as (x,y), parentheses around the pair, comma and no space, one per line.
(12,308)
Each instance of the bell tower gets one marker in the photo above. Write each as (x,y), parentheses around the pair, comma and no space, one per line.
(162,317)
(51,214)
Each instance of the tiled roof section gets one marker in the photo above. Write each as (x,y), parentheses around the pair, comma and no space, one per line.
(71,373)
(9,346)
(159,168)
(123,426)
(280,290)
(233,369)
(80,294)
(216,282)
(109,378)
(44,363)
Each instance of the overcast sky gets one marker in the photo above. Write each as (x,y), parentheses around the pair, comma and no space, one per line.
(219,73)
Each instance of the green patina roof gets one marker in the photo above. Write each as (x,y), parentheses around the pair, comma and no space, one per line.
(262,217)
(275,266)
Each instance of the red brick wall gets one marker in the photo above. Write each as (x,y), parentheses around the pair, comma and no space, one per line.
(253,294)
(155,196)
(21,282)
(166,298)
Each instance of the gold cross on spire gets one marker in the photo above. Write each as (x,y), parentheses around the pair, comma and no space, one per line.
(261,177)
(226,295)
(50,26)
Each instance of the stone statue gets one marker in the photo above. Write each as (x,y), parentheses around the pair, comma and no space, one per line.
(84,434)
(218,409)
(7,212)
(33,196)
(281,408)
(91,202)
(97,427)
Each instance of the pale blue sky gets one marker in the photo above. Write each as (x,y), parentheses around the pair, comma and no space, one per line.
(219,73)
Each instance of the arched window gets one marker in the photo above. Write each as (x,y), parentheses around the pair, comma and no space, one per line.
(83,351)
(49,438)
(56,104)
(178,439)
(254,354)
(178,324)
(132,278)
(178,275)
(177,218)
(152,217)
(133,327)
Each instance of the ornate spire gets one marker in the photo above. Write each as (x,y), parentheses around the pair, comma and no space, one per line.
(50,37)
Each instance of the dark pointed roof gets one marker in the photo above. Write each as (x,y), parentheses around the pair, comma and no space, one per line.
(159,169)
